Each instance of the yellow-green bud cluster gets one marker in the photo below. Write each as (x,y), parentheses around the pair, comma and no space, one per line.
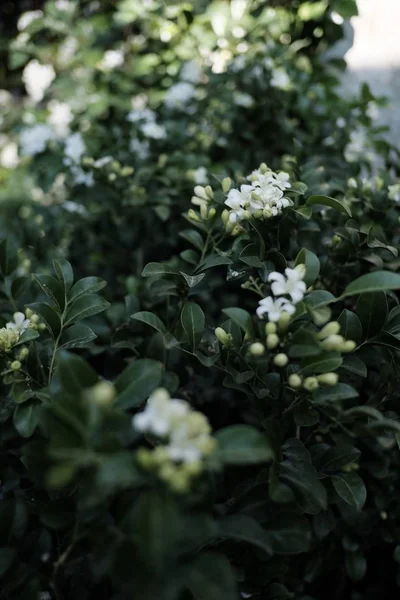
(178,477)
(102,394)
(312,383)
(202,197)
(332,341)
(8,338)
(223,337)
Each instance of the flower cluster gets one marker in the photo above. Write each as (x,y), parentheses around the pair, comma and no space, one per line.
(74,149)
(37,78)
(262,198)
(292,285)
(10,334)
(146,118)
(185,434)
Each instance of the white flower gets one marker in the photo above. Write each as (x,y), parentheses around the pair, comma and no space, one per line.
(372,110)
(20,323)
(200,176)
(238,201)
(191,72)
(140,148)
(274,307)
(64,5)
(66,51)
(141,114)
(27,18)
(102,162)
(37,78)
(81,177)
(74,148)
(33,140)
(154,131)
(394,192)
(293,284)
(60,117)
(179,94)
(111,60)
(280,79)
(242,99)
(73,207)
(9,155)
(183,448)
(160,414)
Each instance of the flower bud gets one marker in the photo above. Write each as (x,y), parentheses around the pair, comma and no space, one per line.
(352,183)
(257,349)
(103,393)
(270,328)
(193,216)
(112,177)
(34,318)
(179,483)
(41,327)
(283,322)
(126,171)
(263,168)
(225,216)
(328,378)
(331,328)
(28,313)
(200,191)
(332,342)
(272,341)
(209,192)
(193,469)
(384,515)
(23,353)
(348,346)
(198,201)
(203,211)
(311,384)
(281,360)
(226,184)
(295,381)
(16,365)
(211,213)
(223,337)
(145,458)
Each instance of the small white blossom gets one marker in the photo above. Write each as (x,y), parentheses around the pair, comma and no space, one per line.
(292,284)
(179,94)
(153,130)
(191,72)
(20,323)
(81,177)
(372,110)
(33,140)
(242,99)
(9,155)
(394,192)
(74,149)
(73,207)
(60,117)
(27,18)
(280,79)
(200,176)
(141,114)
(140,148)
(274,307)
(112,59)
(102,162)
(160,414)
(37,78)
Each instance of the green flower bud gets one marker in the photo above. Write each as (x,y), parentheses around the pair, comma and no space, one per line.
(16,365)
(263,168)
(352,183)
(384,515)
(223,337)
(295,381)
(257,349)
(226,184)
(311,384)
(28,313)
(332,328)
(272,341)
(270,328)
(328,378)
(179,483)
(145,458)
(167,472)
(348,346)
(34,318)
(198,201)
(103,393)
(209,192)
(281,360)
(203,211)
(211,213)
(193,216)
(283,322)
(126,171)
(41,327)
(225,216)
(112,177)
(332,342)
(193,469)
(23,353)
(200,192)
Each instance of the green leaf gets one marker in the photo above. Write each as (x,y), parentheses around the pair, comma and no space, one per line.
(304,211)
(64,272)
(138,381)
(84,307)
(243,528)
(334,393)
(26,418)
(377,281)
(192,280)
(311,262)
(242,318)
(192,236)
(346,8)
(304,343)
(243,445)
(193,323)
(153,268)
(76,336)
(8,257)
(207,361)
(153,321)
(211,578)
(331,202)
(75,373)
(7,556)
(324,363)
(52,288)
(350,487)
(356,566)
(372,311)
(215,260)
(350,325)
(85,286)
(355,365)
(49,316)
(338,457)
(27,336)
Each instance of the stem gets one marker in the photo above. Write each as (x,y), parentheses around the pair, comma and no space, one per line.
(53,358)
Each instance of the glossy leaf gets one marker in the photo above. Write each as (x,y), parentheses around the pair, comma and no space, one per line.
(330,202)
(193,322)
(137,381)
(242,445)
